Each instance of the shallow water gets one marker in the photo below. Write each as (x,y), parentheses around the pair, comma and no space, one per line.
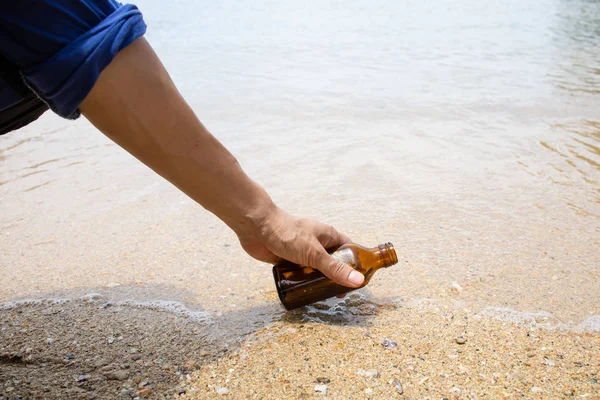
(466,134)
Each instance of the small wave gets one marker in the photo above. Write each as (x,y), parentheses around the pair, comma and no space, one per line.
(11,305)
(173,307)
(542,320)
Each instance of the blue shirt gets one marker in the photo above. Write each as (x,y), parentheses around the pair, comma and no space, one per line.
(60,47)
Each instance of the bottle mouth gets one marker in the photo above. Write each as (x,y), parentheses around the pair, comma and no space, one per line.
(388,253)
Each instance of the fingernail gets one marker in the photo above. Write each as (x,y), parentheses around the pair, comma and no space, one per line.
(356,278)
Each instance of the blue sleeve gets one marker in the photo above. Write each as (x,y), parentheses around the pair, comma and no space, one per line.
(60,47)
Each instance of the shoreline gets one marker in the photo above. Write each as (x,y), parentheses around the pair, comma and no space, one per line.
(94,348)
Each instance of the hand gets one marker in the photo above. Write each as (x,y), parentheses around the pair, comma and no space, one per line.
(135,103)
(302,241)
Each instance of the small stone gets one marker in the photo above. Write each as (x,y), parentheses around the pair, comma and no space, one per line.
(222,391)
(83,378)
(323,380)
(455,390)
(387,343)
(181,391)
(143,392)
(116,375)
(398,386)
(136,357)
(321,389)
(550,363)
(369,391)
(127,393)
(461,340)
(101,362)
(133,350)
(455,288)
(110,340)
(536,389)
(49,341)
(372,373)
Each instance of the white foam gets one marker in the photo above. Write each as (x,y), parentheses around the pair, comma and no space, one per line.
(173,307)
(9,305)
(591,324)
(541,320)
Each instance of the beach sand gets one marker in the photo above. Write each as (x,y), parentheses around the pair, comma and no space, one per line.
(412,351)
(351,348)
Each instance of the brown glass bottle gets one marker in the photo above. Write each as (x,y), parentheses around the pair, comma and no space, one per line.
(298,286)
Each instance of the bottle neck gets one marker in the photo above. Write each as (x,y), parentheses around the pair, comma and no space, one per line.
(387,254)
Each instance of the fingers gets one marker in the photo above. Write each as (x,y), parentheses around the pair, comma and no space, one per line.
(329,237)
(338,271)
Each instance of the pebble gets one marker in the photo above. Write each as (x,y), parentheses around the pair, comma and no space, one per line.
(110,340)
(69,356)
(83,378)
(143,392)
(398,386)
(536,389)
(117,375)
(371,373)
(461,340)
(222,391)
(387,343)
(369,391)
(190,365)
(323,380)
(127,393)
(321,389)
(49,341)
(101,362)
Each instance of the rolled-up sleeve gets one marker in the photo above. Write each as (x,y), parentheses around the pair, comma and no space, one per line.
(60,47)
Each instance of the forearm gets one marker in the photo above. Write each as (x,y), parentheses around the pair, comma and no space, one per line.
(167,136)
(135,103)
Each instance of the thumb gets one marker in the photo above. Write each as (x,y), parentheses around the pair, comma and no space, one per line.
(338,271)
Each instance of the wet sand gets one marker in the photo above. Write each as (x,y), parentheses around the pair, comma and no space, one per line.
(407,351)
(352,348)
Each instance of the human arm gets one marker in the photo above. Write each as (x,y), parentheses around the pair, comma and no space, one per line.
(135,103)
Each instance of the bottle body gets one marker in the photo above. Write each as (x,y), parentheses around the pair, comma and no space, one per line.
(298,286)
